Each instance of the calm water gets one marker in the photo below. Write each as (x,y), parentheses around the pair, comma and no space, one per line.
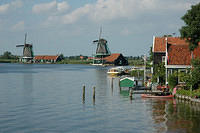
(48,99)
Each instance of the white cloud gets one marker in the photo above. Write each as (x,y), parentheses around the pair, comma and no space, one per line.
(108,10)
(62,6)
(18,26)
(16,4)
(50,7)
(76,14)
(4,8)
(10,6)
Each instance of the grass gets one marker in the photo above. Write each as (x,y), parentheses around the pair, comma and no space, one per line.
(68,61)
(8,61)
(187,92)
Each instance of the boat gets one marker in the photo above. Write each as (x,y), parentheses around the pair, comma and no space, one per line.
(130,81)
(115,71)
(154,96)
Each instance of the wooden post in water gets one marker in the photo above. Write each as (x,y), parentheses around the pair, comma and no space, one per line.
(119,85)
(131,93)
(83,94)
(112,83)
(94,93)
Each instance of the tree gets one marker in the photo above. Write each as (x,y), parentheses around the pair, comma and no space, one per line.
(6,55)
(173,80)
(62,56)
(159,73)
(194,79)
(150,54)
(191,31)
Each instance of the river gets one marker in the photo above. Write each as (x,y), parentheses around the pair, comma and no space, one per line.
(47,98)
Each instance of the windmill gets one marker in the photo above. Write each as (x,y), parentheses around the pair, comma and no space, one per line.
(102,49)
(27,51)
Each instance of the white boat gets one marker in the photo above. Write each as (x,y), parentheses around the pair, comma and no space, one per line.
(115,70)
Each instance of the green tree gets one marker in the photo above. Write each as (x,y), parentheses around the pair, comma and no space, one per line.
(192,80)
(195,76)
(159,73)
(173,80)
(150,54)
(62,56)
(7,55)
(191,31)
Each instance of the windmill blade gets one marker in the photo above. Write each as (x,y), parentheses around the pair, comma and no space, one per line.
(19,45)
(25,38)
(95,41)
(100,33)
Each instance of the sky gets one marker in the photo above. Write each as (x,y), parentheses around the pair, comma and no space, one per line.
(70,26)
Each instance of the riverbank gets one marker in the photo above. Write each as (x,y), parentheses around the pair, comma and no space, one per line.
(8,61)
(187,95)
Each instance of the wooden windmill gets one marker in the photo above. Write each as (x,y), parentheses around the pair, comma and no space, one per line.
(27,51)
(102,49)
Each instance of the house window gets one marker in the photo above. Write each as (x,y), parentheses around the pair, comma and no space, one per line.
(163,58)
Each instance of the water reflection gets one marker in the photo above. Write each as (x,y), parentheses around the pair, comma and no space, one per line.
(173,116)
(183,117)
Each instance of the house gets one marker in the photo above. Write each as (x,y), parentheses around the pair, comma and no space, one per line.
(90,58)
(174,53)
(159,47)
(46,58)
(116,59)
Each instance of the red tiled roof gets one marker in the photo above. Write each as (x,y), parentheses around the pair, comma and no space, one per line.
(90,58)
(181,55)
(160,43)
(46,57)
(112,57)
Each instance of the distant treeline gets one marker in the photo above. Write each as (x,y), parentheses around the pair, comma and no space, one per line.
(8,55)
(86,57)
(77,57)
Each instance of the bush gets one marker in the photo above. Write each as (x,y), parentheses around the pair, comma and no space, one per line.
(173,80)
(183,92)
(137,73)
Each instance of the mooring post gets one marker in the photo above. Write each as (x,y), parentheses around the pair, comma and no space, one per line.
(83,91)
(119,86)
(112,83)
(83,94)
(93,92)
(130,93)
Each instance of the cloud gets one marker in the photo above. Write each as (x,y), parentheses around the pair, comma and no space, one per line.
(10,6)
(110,10)
(76,14)
(62,6)
(50,7)
(16,4)
(19,26)
(4,8)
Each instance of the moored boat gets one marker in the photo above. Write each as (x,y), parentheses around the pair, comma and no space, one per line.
(115,71)
(154,96)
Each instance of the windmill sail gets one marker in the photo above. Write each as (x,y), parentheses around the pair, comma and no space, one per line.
(102,48)
(27,51)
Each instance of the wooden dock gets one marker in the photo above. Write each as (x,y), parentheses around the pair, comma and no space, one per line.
(148,92)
